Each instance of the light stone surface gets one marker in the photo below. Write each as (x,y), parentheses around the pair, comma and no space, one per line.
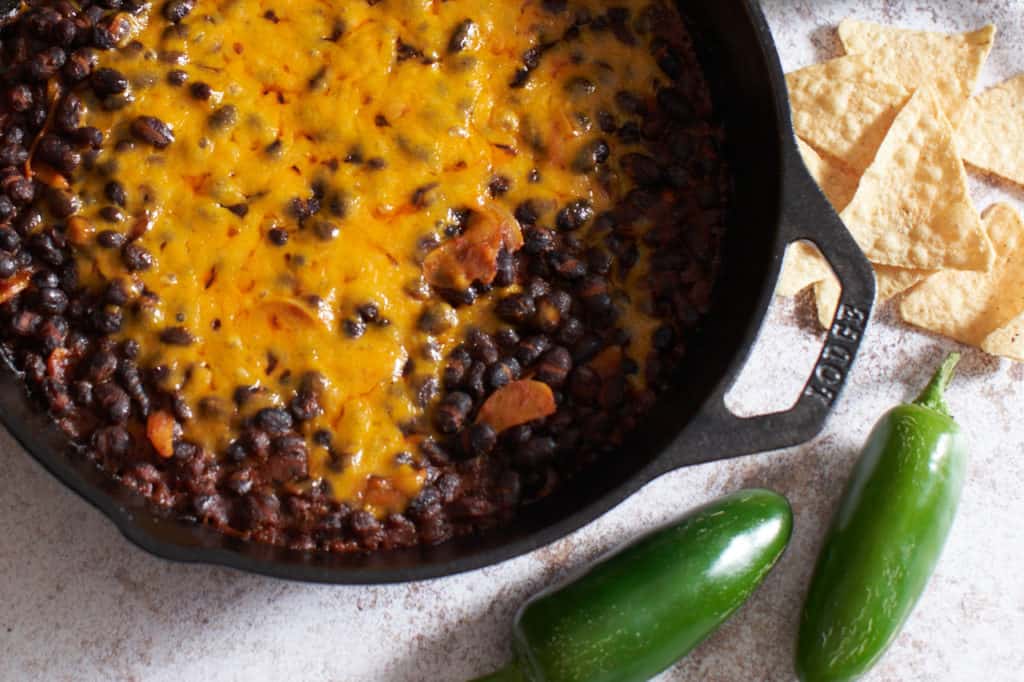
(78,602)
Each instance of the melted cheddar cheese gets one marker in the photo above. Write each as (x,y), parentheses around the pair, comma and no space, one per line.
(374,112)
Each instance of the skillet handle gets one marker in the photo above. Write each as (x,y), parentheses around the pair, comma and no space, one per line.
(717,433)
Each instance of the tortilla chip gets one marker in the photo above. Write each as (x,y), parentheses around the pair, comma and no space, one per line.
(968,306)
(826,300)
(950,63)
(837,182)
(992,134)
(473,256)
(912,208)
(804,265)
(891,283)
(1007,341)
(894,281)
(517,403)
(843,108)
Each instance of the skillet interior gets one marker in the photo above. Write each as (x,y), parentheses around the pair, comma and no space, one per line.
(741,66)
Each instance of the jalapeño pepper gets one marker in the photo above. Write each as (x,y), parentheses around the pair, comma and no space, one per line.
(886,537)
(634,613)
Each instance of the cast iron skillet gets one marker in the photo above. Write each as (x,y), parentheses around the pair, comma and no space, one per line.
(774,202)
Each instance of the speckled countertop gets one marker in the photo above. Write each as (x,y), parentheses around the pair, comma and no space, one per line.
(78,602)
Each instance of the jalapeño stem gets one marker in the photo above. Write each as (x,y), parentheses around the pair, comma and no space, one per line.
(932,396)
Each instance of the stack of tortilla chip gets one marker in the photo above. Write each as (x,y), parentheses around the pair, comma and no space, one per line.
(885,131)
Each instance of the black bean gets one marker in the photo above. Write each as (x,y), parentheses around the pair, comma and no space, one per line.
(43,246)
(80,64)
(575,215)
(278,236)
(599,261)
(136,257)
(452,412)
(63,203)
(426,389)
(325,230)
(663,337)
(201,91)
(116,292)
(115,193)
(643,169)
(7,210)
(629,103)
(437,318)
(12,154)
(273,420)
(353,327)
(69,114)
(106,81)
(462,36)
(177,77)
(45,64)
(8,266)
(305,406)
(177,336)
(675,103)
(506,265)
(131,379)
(536,452)
(585,385)
(20,98)
(108,319)
(538,240)
(586,348)
(629,133)
(404,51)
(111,214)
(21,190)
(530,349)
(88,136)
(515,308)
(53,333)
(481,346)
(478,440)
(591,155)
(153,131)
(554,367)
(223,117)
(113,401)
(51,301)
(499,186)
(502,373)
(45,278)
(578,86)
(566,265)
(176,10)
(606,122)
(528,212)
(81,393)
(112,443)
(560,300)
(109,239)
(474,383)
(671,64)
(459,362)
(368,311)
